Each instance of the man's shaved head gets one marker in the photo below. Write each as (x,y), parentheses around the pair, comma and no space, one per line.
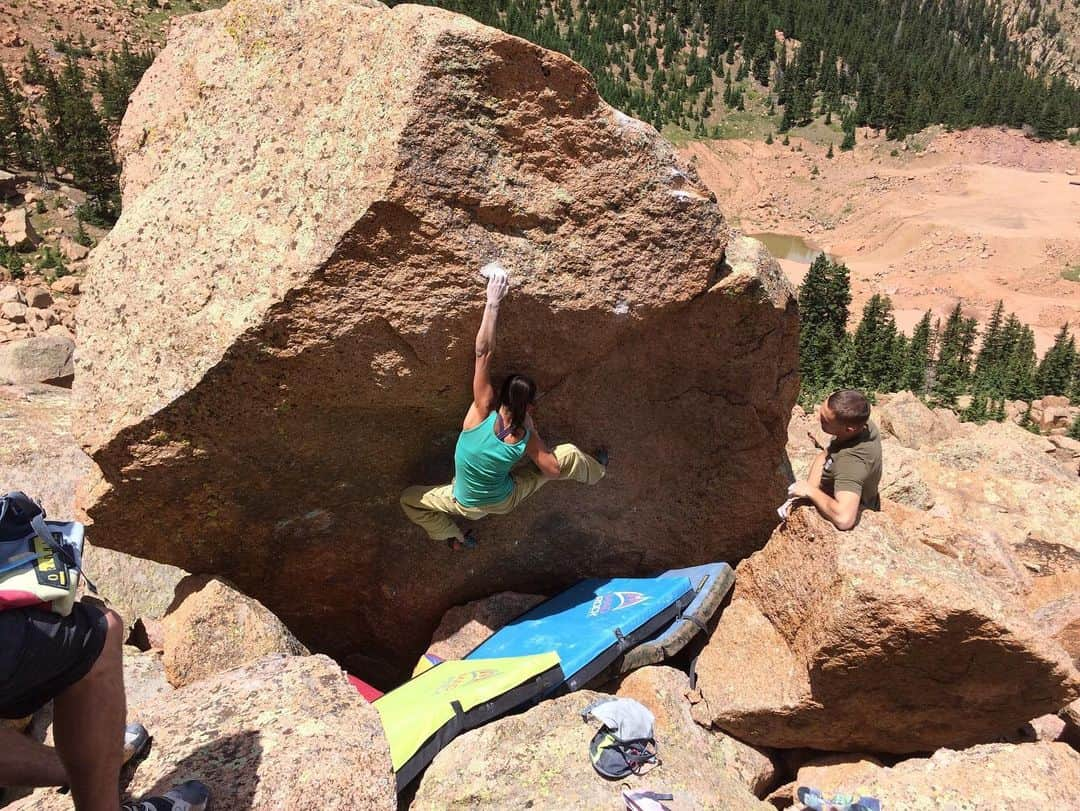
(849,407)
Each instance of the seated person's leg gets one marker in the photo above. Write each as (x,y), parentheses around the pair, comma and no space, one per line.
(88,723)
(25,762)
(41,656)
(75,661)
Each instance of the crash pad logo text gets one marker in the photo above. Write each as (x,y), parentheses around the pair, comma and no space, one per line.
(460,680)
(615,601)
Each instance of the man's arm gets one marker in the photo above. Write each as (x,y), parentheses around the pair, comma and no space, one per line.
(813,478)
(842,510)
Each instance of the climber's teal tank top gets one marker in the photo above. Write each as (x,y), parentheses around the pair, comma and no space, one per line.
(482,464)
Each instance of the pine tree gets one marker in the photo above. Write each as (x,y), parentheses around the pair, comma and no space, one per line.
(769,139)
(78,137)
(843,367)
(33,71)
(1051,123)
(829,154)
(1074,429)
(978,410)
(897,363)
(1055,372)
(952,369)
(1020,363)
(990,371)
(848,143)
(1027,422)
(873,346)
(824,299)
(786,120)
(990,351)
(81,237)
(917,362)
(894,115)
(117,79)
(15,143)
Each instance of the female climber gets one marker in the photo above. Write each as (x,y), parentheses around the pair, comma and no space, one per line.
(497,432)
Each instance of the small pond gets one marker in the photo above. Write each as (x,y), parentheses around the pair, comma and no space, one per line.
(786,246)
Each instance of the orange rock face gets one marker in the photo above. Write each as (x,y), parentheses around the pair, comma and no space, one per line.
(870,640)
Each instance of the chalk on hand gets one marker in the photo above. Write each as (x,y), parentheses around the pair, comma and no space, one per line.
(492,269)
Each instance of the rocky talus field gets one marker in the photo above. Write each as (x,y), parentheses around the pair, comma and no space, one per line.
(277,338)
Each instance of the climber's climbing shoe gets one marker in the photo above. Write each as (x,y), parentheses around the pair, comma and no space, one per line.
(460,545)
(189,796)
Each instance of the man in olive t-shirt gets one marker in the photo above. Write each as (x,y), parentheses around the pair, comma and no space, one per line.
(845,476)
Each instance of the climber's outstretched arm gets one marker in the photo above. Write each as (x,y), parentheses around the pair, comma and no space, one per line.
(483,391)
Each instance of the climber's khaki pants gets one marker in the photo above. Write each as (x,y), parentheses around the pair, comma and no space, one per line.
(431,507)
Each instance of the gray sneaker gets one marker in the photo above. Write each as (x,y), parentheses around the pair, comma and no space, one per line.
(189,796)
(136,742)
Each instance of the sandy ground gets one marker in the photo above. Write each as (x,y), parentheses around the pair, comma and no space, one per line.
(976,216)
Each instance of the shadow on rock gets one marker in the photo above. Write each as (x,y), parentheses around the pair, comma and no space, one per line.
(238,756)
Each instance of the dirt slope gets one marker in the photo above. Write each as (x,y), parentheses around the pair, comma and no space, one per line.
(979,216)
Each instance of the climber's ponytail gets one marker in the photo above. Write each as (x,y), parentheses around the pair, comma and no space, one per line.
(517,393)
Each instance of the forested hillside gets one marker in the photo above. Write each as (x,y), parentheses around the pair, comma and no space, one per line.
(65,129)
(893,64)
(940,361)
(694,65)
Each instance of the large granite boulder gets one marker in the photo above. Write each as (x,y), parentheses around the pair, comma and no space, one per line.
(991,776)
(276,337)
(144,680)
(212,627)
(871,641)
(1071,716)
(284,732)
(37,452)
(1056,602)
(1008,481)
(540,759)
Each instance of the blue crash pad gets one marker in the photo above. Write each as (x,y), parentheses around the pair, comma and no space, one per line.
(591,624)
(711,582)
